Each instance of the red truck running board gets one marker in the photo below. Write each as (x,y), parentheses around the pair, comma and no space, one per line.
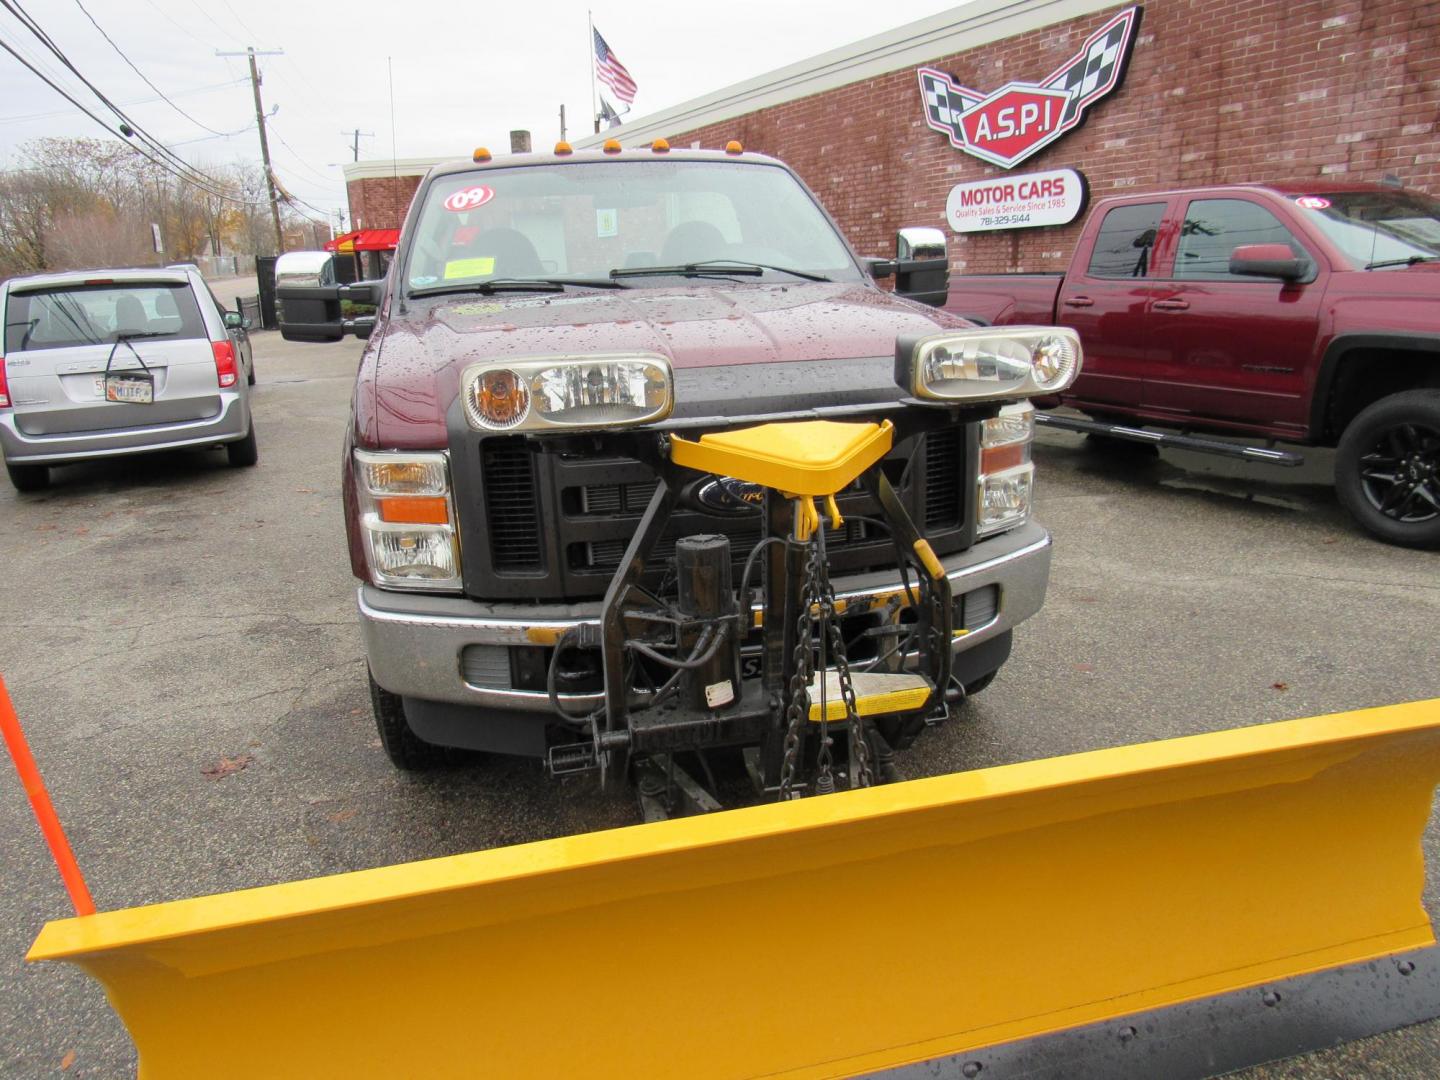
(1171,440)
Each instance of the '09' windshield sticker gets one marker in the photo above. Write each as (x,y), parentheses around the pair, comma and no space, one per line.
(469,198)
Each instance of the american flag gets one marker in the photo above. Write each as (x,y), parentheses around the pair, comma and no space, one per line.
(611,72)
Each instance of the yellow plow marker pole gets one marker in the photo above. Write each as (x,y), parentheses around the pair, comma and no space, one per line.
(818,938)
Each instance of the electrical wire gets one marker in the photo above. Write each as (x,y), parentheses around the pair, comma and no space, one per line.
(129,104)
(163,165)
(194,176)
(121,53)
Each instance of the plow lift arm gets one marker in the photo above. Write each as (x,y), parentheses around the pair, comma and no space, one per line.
(1178,909)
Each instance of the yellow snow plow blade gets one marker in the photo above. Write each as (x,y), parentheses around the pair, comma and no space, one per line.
(824,937)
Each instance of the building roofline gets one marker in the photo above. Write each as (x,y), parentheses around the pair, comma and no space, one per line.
(956,30)
(373,170)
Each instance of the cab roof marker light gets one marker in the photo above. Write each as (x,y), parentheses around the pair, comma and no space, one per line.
(562,148)
(480,156)
(660,146)
(734,147)
(611,146)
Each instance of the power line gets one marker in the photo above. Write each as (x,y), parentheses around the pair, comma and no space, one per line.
(120,52)
(128,104)
(128,127)
(158,163)
(296,155)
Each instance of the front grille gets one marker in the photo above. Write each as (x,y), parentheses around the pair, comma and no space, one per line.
(555,524)
(943,496)
(512,505)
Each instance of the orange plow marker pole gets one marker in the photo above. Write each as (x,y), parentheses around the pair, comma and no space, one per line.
(44,811)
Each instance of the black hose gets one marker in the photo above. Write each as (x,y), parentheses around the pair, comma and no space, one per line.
(695,660)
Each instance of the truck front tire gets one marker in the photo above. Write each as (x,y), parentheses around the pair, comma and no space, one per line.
(1387,469)
(406,750)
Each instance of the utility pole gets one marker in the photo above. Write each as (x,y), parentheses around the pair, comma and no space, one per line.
(355,144)
(562,123)
(252,53)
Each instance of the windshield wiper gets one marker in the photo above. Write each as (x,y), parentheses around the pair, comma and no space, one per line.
(1411,261)
(713,268)
(494,285)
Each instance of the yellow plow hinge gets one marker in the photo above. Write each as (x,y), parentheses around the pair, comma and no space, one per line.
(1034,898)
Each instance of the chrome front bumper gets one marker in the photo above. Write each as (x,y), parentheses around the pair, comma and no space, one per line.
(414,643)
(232,422)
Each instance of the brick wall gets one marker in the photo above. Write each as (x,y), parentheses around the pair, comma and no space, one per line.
(380,202)
(1218,91)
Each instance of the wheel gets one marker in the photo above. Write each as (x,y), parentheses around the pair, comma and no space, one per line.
(29,477)
(1387,469)
(405,750)
(246,451)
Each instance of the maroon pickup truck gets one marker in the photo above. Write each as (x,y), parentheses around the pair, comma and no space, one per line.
(1308,313)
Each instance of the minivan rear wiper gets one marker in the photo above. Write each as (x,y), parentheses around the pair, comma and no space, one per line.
(494,285)
(715,268)
(1411,261)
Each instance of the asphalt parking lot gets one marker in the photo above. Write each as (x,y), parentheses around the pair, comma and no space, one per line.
(180,643)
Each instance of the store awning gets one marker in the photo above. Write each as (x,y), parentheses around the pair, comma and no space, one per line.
(365,240)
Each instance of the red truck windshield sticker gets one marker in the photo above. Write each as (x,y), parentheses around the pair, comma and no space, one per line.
(469,198)
(1313,202)
(1020,119)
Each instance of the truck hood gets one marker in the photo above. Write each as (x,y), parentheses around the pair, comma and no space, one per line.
(414,376)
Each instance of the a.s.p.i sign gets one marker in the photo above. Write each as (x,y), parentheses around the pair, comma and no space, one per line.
(1020,119)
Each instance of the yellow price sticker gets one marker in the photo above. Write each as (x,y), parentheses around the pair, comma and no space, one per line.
(462,268)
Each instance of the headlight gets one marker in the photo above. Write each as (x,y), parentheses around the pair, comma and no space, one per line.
(408,520)
(1007,477)
(988,363)
(554,393)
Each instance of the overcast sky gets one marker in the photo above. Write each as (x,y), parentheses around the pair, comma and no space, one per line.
(465,72)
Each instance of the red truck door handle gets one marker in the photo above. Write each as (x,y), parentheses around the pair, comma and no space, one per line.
(1171,305)
(1079,301)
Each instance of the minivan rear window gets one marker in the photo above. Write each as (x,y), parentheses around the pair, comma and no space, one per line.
(64,316)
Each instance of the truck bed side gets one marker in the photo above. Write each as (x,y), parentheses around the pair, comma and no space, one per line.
(1005,299)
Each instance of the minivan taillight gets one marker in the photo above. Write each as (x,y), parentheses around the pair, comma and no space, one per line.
(4,386)
(224,362)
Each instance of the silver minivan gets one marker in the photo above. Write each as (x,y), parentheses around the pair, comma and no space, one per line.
(100,363)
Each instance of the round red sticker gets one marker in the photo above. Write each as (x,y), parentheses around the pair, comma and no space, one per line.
(1313,202)
(469,198)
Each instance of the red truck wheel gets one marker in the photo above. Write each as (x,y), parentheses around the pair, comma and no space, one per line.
(1387,470)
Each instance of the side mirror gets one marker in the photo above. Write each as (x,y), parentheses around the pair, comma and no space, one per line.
(879,267)
(235,321)
(361,327)
(363,292)
(1268,260)
(922,265)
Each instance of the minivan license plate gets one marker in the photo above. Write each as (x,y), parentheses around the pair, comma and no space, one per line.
(131,389)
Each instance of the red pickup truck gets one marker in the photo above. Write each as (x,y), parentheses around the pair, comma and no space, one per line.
(1302,312)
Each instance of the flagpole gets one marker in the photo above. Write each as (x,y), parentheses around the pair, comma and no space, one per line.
(594,102)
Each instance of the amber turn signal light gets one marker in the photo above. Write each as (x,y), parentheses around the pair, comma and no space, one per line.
(413,510)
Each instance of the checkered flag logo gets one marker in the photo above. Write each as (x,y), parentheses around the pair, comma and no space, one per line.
(1085,78)
(1093,72)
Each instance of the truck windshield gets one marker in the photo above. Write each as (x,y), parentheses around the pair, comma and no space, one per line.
(583,220)
(1377,229)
